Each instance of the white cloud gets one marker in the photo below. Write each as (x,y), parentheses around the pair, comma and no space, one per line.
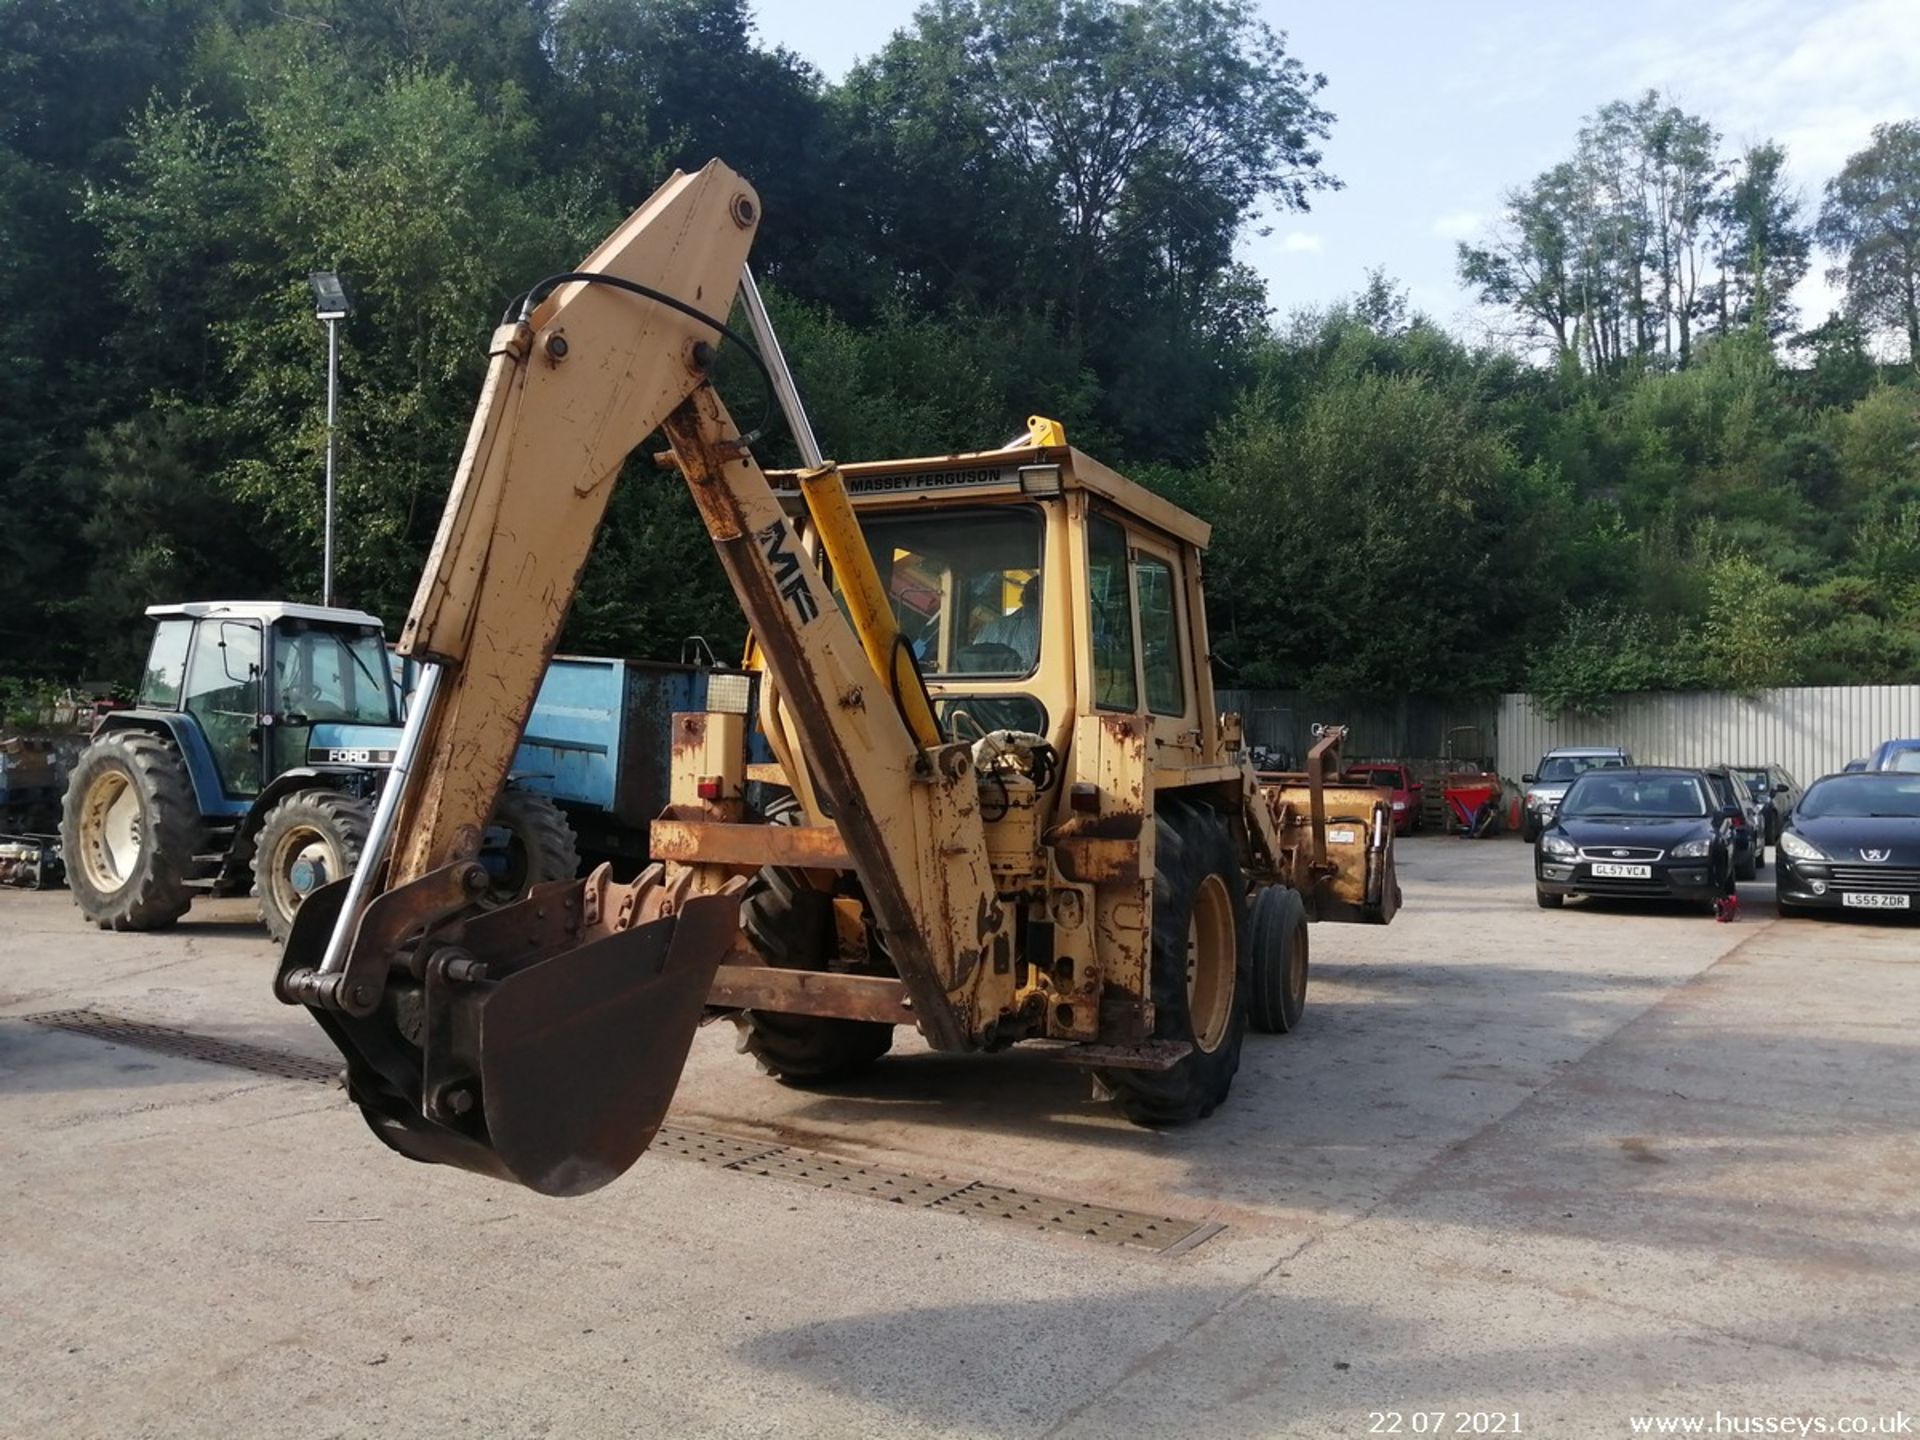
(1300,242)
(1815,79)
(1459,224)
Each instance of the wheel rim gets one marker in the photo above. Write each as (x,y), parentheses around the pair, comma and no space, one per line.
(1211,953)
(1297,970)
(111,831)
(304,858)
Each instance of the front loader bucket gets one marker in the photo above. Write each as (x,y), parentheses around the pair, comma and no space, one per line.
(552,1070)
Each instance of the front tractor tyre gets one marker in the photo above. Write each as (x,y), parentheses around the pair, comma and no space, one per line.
(309,839)
(129,829)
(1201,970)
(1280,948)
(790,926)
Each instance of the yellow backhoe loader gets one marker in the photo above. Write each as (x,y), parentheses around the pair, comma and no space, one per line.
(1004,809)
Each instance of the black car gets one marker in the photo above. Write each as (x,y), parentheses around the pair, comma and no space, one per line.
(1652,833)
(1853,843)
(1774,790)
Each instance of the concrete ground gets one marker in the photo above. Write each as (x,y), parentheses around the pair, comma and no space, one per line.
(1564,1168)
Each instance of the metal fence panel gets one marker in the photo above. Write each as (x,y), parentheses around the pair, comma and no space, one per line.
(1412,726)
(1811,730)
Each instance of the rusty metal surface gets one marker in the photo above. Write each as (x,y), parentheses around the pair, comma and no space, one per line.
(812,992)
(1092,860)
(748,847)
(1143,1055)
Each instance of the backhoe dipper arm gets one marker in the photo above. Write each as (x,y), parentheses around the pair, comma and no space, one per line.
(569,393)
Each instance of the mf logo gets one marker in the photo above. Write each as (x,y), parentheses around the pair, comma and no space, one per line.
(1876,856)
(787,575)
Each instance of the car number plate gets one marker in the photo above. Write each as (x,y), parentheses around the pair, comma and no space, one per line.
(1342,837)
(1606,870)
(1876,902)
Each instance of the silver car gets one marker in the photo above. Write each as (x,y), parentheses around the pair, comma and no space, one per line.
(1547,786)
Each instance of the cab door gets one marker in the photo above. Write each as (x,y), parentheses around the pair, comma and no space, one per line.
(1159,594)
(223,695)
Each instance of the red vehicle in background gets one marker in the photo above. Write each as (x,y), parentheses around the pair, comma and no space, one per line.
(1392,775)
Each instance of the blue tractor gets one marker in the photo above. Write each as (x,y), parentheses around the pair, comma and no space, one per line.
(251,761)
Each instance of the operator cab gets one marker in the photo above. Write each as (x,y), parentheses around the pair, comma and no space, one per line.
(273,686)
(1030,577)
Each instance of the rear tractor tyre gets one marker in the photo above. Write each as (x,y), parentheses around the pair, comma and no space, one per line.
(791,925)
(1280,950)
(1201,970)
(539,846)
(129,829)
(310,839)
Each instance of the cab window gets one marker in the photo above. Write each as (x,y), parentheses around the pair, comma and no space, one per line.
(166,664)
(1159,637)
(329,674)
(965,587)
(223,694)
(1111,602)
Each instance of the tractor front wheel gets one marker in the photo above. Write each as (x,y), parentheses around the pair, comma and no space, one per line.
(309,839)
(129,830)
(1280,948)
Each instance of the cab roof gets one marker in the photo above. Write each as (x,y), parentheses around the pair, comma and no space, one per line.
(267,612)
(1016,470)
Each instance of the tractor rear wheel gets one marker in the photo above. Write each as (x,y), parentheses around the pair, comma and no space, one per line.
(129,831)
(309,839)
(791,925)
(539,846)
(1202,970)
(1280,950)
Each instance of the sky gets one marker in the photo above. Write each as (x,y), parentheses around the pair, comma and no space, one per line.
(1444,106)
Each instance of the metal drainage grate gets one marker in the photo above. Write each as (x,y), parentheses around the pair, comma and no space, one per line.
(1162,1234)
(1132,1229)
(185,1045)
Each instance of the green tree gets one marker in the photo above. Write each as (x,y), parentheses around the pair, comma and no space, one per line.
(1763,248)
(1871,218)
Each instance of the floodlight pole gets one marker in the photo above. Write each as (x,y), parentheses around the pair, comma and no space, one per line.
(330,307)
(333,394)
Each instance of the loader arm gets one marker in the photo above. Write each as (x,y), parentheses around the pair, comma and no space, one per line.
(541,1042)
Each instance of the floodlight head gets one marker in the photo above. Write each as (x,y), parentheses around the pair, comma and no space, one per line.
(329,296)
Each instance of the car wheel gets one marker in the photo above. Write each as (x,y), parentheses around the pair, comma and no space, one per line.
(1548,902)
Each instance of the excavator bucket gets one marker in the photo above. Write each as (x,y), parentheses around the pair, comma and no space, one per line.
(554,1072)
